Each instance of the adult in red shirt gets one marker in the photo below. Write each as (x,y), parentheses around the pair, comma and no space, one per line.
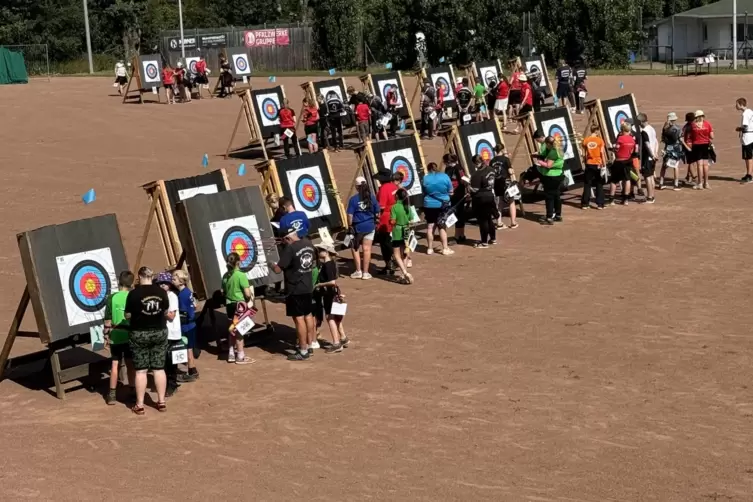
(526,98)
(168,82)
(386,199)
(700,134)
(624,148)
(287,124)
(311,123)
(515,85)
(503,99)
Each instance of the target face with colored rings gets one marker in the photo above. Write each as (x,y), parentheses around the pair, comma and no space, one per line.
(151,70)
(269,109)
(402,165)
(387,89)
(89,285)
(240,63)
(619,118)
(556,132)
(444,86)
(485,150)
(308,192)
(490,77)
(192,67)
(239,240)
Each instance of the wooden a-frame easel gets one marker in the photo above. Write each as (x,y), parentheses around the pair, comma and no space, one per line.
(137,93)
(368,85)
(247,115)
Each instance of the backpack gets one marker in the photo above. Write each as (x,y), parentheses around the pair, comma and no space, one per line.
(464,96)
(334,103)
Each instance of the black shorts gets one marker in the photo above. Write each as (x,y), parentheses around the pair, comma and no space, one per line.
(688,156)
(525,109)
(121,80)
(748,152)
(700,152)
(648,168)
(431,214)
(398,245)
(515,97)
(299,305)
(120,352)
(620,171)
(230,309)
(169,86)
(311,129)
(563,90)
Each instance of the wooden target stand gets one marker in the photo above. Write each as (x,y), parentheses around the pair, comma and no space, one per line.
(368,85)
(239,86)
(310,92)
(247,115)
(137,94)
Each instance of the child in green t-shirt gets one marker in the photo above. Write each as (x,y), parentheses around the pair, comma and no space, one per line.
(400,220)
(116,334)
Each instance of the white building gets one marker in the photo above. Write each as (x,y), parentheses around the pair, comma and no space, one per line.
(707,28)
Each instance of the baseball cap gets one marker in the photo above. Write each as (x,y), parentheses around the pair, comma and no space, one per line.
(289,231)
(164,278)
(360,180)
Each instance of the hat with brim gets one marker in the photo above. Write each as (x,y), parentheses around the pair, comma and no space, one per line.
(523,78)
(325,246)
(699,113)
(671,116)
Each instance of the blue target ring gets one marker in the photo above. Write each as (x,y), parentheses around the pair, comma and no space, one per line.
(89,286)
(151,70)
(556,132)
(485,150)
(309,193)
(619,118)
(269,109)
(240,64)
(444,86)
(402,165)
(239,240)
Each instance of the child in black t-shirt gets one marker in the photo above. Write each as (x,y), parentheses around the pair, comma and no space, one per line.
(327,292)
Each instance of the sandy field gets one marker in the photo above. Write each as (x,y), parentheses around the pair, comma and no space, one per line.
(604,359)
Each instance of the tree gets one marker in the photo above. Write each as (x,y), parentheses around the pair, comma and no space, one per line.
(337,32)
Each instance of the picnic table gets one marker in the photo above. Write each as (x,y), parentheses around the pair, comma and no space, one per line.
(700,65)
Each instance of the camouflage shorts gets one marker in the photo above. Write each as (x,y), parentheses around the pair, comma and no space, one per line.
(149,349)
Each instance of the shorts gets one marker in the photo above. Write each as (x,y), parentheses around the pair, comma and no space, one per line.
(121,80)
(299,305)
(325,301)
(360,237)
(363,129)
(311,129)
(148,348)
(620,171)
(515,96)
(201,79)
(701,152)
(501,104)
(230,310)
(688,156)
(120,352)
(431,214)
(525,109)
(168,86)
(563,91)
(748,152)
(398,245)
(648,169)
(190,338)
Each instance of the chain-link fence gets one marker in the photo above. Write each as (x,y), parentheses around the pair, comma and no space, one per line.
(36,57)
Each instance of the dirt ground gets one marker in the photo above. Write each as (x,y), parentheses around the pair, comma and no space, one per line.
(604,359)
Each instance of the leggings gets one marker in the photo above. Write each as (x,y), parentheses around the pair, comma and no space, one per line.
(485,211)
(593,179)
(336,127)
(385,245)
(551,186)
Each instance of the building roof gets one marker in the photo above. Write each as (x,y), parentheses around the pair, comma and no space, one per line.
(721,9)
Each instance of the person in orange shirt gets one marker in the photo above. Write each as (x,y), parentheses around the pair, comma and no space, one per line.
(593,148)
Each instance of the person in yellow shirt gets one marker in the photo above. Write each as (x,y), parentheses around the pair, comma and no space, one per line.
(593,150)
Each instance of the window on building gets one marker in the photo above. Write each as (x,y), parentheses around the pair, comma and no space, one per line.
(705,33)
(740,32)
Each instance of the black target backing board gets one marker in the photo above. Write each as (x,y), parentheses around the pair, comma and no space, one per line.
(443,77)
(559,124)
(536,64)
(210,221)
(615,111)
(70,269)
(382,81)
(309,182)
(267,104)
(482,72)
(405,155)
(478,138)
(150,71)
(324,87)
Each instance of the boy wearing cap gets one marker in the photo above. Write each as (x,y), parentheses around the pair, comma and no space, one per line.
(174,333)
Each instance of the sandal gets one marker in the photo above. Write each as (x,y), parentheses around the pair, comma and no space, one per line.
(138,410)
(513,226)
(162,407)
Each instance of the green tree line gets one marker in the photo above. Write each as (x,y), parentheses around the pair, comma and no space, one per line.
(602,31)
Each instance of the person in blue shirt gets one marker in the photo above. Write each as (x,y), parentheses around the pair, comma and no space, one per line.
(294,219)
(363,211)
(187,312)
(437,191)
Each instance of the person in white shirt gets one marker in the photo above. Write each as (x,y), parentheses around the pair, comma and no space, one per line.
(746,138)
(121,76)
(174,334)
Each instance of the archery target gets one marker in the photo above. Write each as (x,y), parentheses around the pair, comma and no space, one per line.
(87,279)
(151,71)
(403,161)
(617,115)
(488,73)
(557,128)
(443,83)
(387,84)
(242,236)
(187,193)
(269,108)
(535,66)
(191,64)
(241,64)
(309,193)
(482,145)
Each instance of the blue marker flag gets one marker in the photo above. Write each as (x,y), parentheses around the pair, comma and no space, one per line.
(89,196)
(331,71)
(441,60)
(205,160)
(388,66)
(272,78)
(622,86)
(402,125)
(242,170)
(310,139)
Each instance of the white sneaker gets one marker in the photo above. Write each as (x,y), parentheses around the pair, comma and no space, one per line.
(315,344)
(408,263)
(357,275)
(366,276)
(429,251)
(447,252)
